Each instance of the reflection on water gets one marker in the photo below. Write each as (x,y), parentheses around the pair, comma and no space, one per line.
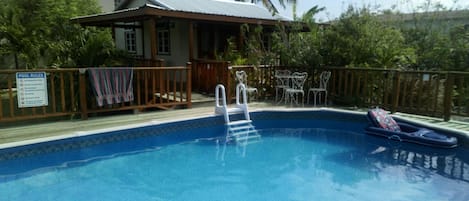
(286,164)
(377,153)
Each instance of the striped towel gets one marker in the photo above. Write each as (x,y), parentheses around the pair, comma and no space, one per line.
(111,85)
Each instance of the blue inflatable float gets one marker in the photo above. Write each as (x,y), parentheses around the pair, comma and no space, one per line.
(382,124)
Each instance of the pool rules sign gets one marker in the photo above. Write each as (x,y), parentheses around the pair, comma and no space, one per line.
(31,89)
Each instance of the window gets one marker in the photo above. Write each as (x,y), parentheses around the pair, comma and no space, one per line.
(163,42)
(130,40)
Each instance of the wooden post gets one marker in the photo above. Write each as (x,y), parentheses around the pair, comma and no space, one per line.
(189,85)
(447,101)
(396,91)
(10,96)
(153,38)
(241,38)
(82,86)
(113,29)
(143,39)
(191,41)
(227,75)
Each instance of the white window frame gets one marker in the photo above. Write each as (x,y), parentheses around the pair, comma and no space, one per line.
(164,42)
(130,40)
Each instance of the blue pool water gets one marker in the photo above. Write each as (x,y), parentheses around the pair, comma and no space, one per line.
(296,159)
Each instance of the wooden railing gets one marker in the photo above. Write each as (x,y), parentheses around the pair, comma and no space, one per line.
(208,73)
(430,93)
(437,94)
(62,97)
(69,93)
(148,62)
(154,87)
(260,77)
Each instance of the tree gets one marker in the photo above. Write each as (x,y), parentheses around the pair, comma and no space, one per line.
(459,52)
(435,33)
(299,43)
(39,32)
(359,39)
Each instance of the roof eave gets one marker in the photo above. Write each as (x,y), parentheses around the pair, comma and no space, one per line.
(107,19)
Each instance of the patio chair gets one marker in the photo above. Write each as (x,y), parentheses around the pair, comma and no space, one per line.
(297,82)
(323,81)
(282,82)
(242,78)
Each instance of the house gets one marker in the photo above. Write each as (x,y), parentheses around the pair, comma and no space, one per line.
(108,5)
(179,31)
(435,20)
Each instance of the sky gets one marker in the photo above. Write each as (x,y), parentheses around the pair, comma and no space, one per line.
(335,7)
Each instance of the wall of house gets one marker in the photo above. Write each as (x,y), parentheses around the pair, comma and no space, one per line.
(179,39)
(436,24)
(179,43)
(432,21)
(120,40)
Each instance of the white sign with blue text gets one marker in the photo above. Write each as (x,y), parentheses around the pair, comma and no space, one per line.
(31,89)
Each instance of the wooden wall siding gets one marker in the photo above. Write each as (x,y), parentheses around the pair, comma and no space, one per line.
(70,94)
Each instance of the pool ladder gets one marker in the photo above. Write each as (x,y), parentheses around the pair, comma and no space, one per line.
(241,131)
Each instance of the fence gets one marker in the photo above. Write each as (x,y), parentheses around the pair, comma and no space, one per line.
(437,94)
(62,95)
(260,77)
(430,93)
(69,93)
(208,73)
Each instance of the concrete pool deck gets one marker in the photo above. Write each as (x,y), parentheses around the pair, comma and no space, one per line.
(40,132)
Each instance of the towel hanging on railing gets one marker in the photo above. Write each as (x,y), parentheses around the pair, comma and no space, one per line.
(111,85)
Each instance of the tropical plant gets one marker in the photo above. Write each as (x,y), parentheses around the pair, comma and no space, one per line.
(358,38)
(254,48)
(459,52)
(295,46)
(39,33)
(231,53)
(430,30)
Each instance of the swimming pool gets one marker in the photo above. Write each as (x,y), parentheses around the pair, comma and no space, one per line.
(303,155)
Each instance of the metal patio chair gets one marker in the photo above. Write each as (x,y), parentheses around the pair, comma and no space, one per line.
(282,82)
(323,81)
(242,78)
(297,82)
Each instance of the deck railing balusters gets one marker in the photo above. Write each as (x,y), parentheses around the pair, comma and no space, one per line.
(62,100)
(439,94)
